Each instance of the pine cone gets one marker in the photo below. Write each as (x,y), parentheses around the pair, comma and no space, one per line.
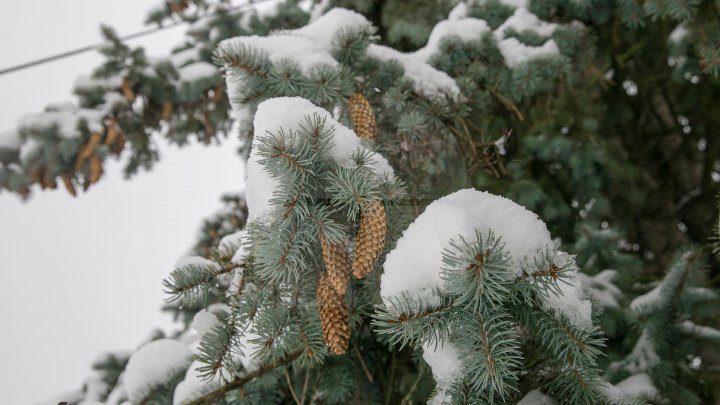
(95,169)
(167,110)
(90,147)
(333,316)
(48,181)
(69,184)
(112,133)
(127,90)
(119,145)
(370,238)
(218,93)
(362,116)
(337,265)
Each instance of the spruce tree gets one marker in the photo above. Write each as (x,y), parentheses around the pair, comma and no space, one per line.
(481,201)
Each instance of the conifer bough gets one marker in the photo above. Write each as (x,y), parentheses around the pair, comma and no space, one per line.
(472,284)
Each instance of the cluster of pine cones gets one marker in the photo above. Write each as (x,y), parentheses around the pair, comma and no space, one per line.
(369,243)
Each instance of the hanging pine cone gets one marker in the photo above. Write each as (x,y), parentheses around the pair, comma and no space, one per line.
(370,238)
(362,116)
(69,184)
(333,316)
(95,169)
(218,93)
(167,110)
(112,133)
(127,90)
(335,257)
(92,144)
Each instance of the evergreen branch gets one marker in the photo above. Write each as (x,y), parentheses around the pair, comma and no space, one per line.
(407,320)
(216,348)
(192,282)
(351,188)
(490,350)
(218,394)
(287,157)
(362,363)
(572,345)
(242,58)
(477,274)
(407,399)
(290,386)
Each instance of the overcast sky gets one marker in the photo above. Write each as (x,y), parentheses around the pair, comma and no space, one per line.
(83,275)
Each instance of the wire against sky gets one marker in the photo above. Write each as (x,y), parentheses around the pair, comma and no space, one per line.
(138,34)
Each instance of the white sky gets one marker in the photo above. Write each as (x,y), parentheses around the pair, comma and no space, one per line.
(81,276)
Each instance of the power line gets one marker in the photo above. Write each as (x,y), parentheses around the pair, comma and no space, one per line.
(138,34)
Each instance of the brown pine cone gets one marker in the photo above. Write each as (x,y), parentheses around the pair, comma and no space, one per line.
(127,90)
(333,316)
(167,110)
(95,169)
(370,238)
(362,116)
(337,265)
(112,133)
(90,147)
(69,184)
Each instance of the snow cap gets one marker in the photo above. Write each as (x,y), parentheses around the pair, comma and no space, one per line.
(414,266)
(288,113)
(154,364)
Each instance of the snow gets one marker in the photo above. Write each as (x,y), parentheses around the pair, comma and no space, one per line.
(515,52)
(425,78)
(515,3)
(638,386)
(27,150)
(197,71)
(570,302)
(66,121)
(95,388)
(678,34)
(241,251)
(196,261)
(601,288)
(536,397)
(316,9)
(186,56)
(203,321)
(458,12)
(287,113)
(153,365)
(117,396)
(193,385)
(706,332)
(414,266)
(322,31)
(89,83)
(247,357)
(466,29)
(524,20)
(306,53)
(10,140)
(444,361)
(230,244)
(651,299)
(642,358)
